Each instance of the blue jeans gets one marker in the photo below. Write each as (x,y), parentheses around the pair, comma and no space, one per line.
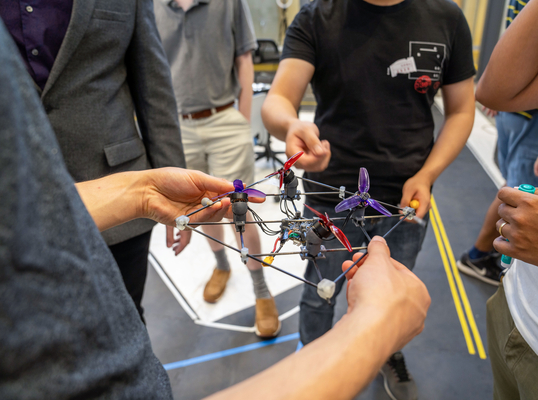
(517,148)
(405,242)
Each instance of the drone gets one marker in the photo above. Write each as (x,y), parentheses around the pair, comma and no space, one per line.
(306,233)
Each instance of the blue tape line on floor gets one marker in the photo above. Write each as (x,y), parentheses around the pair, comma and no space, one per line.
(229,352)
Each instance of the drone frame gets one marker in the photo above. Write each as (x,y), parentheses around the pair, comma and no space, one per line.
(325,287)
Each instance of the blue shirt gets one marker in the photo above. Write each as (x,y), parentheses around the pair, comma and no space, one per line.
(38,28)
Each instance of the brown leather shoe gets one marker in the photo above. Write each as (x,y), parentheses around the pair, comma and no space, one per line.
(267,323)
(214,288)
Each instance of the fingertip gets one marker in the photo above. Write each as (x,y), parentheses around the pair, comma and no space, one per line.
(379,239)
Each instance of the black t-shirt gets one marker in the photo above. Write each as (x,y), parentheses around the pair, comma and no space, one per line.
(374,112)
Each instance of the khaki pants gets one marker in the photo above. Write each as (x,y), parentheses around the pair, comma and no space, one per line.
(220,145)
(513,362)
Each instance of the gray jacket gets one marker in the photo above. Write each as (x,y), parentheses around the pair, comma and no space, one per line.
(111,67)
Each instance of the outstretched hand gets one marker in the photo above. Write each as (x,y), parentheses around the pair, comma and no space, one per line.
(384,284)
(417,188)
(304,136)
(172,192)
(520,212)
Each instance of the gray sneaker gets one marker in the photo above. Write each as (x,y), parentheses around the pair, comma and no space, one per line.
(487,268)
(399,383)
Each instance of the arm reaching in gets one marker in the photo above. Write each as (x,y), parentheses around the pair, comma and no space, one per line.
(510,80)
(159,194)
(458,99)
(387,308)
(279,114)
(520,212)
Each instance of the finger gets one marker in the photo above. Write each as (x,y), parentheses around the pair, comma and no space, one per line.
(213,213)
(510,196)
(506,212)
(169,236)
(506,228)
(310,162)
(502,246)
(208,183)
(407,196)
(179,248)
(348,263)
(310,137)
(378,247)
(424,205)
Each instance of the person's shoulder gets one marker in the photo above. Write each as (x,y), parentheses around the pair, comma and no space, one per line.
(321,7)
(445,9)
(319,12)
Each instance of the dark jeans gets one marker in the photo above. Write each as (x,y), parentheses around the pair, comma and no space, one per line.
(405,242)
(132,258)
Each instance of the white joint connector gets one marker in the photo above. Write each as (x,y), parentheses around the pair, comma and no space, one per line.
(181,222)
(411,211)
(342,193)
(244,255)
(206,202)
(326,289)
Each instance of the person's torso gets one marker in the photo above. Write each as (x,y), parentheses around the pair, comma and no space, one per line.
(521,288)
(200,48)
(377,70)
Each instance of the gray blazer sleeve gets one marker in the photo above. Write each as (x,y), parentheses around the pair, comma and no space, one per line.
(150,83)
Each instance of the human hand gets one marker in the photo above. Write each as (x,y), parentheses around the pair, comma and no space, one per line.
(520,212)
(181,240)
(489,112)
(417,188)
(536,167)
(383,285)
(304,136)
(172,192)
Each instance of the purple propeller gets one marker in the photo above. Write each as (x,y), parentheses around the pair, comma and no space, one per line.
(240,188)
(362,198)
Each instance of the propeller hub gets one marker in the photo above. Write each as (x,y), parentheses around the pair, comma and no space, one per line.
(238,196)
(288,176)
(321,230)
(364,196)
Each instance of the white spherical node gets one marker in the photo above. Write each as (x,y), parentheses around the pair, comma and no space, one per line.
(181,222)
(326,289)
(206,202)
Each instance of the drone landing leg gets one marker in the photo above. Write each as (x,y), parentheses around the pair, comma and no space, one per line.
(365,233)
(317,269)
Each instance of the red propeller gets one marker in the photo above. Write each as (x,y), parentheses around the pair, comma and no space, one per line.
(325,220)
(287,165)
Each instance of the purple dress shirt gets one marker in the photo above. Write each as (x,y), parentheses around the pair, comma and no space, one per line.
(38,28)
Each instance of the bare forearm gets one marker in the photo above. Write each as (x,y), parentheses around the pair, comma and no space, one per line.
(113,200)
(451,140)
(336,366)
(278,113)
(245,72)
(510,81)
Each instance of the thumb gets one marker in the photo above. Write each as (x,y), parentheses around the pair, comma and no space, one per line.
(310,137)
(378,247)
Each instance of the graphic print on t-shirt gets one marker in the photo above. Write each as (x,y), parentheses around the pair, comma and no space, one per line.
(429,59)
(425,63)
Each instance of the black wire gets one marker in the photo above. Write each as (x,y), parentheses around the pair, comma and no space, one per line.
(265,229)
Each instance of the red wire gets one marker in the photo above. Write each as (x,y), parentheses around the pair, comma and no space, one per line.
(276,241)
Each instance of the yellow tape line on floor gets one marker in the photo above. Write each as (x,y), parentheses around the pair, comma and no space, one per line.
(453,275)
